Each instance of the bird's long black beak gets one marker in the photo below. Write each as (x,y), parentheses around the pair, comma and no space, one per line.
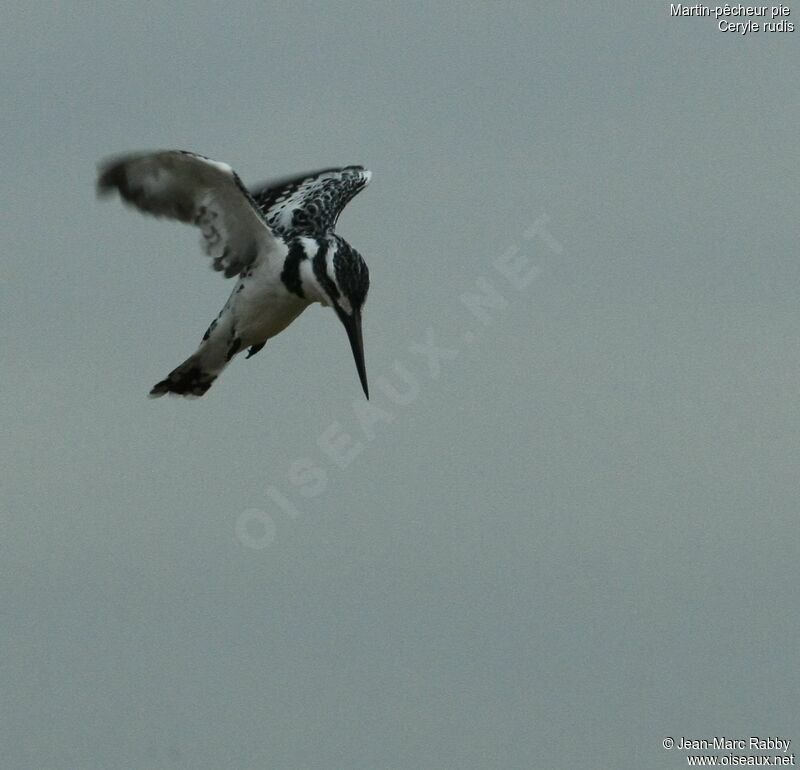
(352,325)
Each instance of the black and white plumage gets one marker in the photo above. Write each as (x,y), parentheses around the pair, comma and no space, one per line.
(278,239)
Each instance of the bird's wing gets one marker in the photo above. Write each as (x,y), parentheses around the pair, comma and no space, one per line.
(188,187)
(309,203)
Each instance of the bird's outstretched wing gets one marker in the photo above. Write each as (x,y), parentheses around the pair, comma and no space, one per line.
(309,203)
(194,189)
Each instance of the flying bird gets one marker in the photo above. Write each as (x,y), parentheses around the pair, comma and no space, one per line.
(278,239)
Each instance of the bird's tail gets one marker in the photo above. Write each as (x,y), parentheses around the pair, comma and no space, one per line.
(197,373)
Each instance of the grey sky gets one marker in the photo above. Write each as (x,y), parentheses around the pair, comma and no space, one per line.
(576,536)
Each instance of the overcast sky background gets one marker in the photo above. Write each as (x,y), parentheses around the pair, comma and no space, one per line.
(572,535)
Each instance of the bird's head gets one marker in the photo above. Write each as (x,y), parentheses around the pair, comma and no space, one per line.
(342,281)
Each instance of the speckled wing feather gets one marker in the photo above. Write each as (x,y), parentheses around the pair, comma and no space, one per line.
(309,203)
(194,189)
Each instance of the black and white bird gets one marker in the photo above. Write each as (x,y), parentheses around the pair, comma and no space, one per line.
(278,239)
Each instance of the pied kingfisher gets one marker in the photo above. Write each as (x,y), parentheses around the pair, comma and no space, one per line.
(277,238)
